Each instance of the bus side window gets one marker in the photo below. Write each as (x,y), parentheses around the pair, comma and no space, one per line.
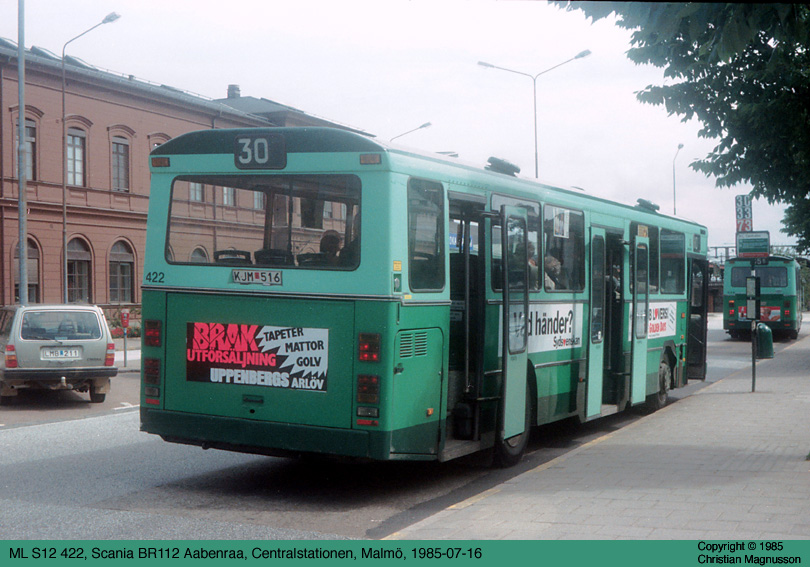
(564,249)
(425,235)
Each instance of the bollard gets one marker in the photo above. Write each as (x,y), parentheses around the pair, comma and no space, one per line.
(764,341)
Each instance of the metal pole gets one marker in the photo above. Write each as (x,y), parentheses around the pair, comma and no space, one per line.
(680,147)
(22,169)
(111,17)
(753,355)
(425,125)
(579,55)
(536,148)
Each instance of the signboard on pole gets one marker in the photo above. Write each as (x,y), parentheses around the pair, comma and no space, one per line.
(753,244)
(745,221)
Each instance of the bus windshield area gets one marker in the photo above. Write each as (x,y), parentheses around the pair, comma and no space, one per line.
(306,221)
(769,276)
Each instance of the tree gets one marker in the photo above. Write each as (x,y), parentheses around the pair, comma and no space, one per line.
(743,70)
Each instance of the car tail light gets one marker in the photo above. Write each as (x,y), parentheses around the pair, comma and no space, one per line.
(152,335)
(369,347)
(109,360)
(11,357)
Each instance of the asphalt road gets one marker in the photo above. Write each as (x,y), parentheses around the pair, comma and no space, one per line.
(74,470)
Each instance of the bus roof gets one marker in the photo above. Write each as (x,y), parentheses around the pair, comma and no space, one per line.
(326,140)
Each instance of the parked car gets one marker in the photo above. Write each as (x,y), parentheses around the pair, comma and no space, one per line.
(56,347)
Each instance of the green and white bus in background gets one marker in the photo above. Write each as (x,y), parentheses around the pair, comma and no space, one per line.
(781,298)
(314,291)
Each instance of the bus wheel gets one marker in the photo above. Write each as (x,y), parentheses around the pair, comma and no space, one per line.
(508,452)
(659,399)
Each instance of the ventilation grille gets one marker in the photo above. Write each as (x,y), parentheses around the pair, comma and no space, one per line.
(413,344)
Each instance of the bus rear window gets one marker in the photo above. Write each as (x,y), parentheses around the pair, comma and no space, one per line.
(769,276)
(304,221)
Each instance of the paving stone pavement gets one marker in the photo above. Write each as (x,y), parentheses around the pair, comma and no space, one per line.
(724,463)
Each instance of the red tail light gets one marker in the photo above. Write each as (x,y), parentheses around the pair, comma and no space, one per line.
(151,380)
(109,360)
(152,335)
(151,371)
(11,357)
(368,389)
(369,347)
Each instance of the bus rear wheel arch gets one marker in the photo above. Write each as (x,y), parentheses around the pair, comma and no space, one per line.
(659,399)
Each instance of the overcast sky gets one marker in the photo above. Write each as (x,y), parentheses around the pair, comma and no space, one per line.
(388,66)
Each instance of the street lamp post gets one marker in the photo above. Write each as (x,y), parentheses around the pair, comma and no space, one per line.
(111,17)
(579,55)
(425,125)
(680,147)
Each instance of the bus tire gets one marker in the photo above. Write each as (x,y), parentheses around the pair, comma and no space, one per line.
(659,399)
(509,452)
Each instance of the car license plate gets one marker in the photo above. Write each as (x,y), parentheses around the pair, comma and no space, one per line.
(60,353)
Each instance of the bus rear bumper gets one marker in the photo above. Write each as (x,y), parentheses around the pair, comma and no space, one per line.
(264,438)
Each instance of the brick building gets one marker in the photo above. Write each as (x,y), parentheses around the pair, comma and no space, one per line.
(112,123)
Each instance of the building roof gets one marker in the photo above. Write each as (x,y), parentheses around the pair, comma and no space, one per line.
(259,111)
(277,113)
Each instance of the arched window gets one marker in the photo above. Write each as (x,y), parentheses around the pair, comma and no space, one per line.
(122,270)
(78,271)
(199,255)
(32,268)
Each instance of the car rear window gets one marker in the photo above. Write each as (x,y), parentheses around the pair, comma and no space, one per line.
(60,325)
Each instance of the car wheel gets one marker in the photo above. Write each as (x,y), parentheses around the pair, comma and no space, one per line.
(96,397)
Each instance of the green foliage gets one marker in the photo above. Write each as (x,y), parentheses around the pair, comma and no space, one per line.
(743,70)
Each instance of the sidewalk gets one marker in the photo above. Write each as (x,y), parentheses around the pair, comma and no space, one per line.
(724,463)
(133,355)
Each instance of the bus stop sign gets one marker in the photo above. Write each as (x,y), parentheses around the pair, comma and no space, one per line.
(753,244)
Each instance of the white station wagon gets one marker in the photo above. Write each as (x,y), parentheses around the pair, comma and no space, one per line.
(56,347)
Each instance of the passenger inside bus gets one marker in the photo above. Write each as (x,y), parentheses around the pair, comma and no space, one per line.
(350,254)
(330,244)
(552,271)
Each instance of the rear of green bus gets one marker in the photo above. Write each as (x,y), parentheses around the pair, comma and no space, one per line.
(780,296)
(264,331)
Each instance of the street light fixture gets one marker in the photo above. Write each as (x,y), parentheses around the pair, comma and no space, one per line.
(425,125)
(680,147)
(579,55)
(111,17)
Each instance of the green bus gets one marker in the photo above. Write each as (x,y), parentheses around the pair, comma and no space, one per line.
(315,291)
(780,295)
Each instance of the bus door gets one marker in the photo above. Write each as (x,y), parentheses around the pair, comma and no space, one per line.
(641,300)
(698,305)
(598,325)
(514,222)
(466,313)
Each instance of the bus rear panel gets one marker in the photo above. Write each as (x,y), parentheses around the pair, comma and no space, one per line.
(780,296)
